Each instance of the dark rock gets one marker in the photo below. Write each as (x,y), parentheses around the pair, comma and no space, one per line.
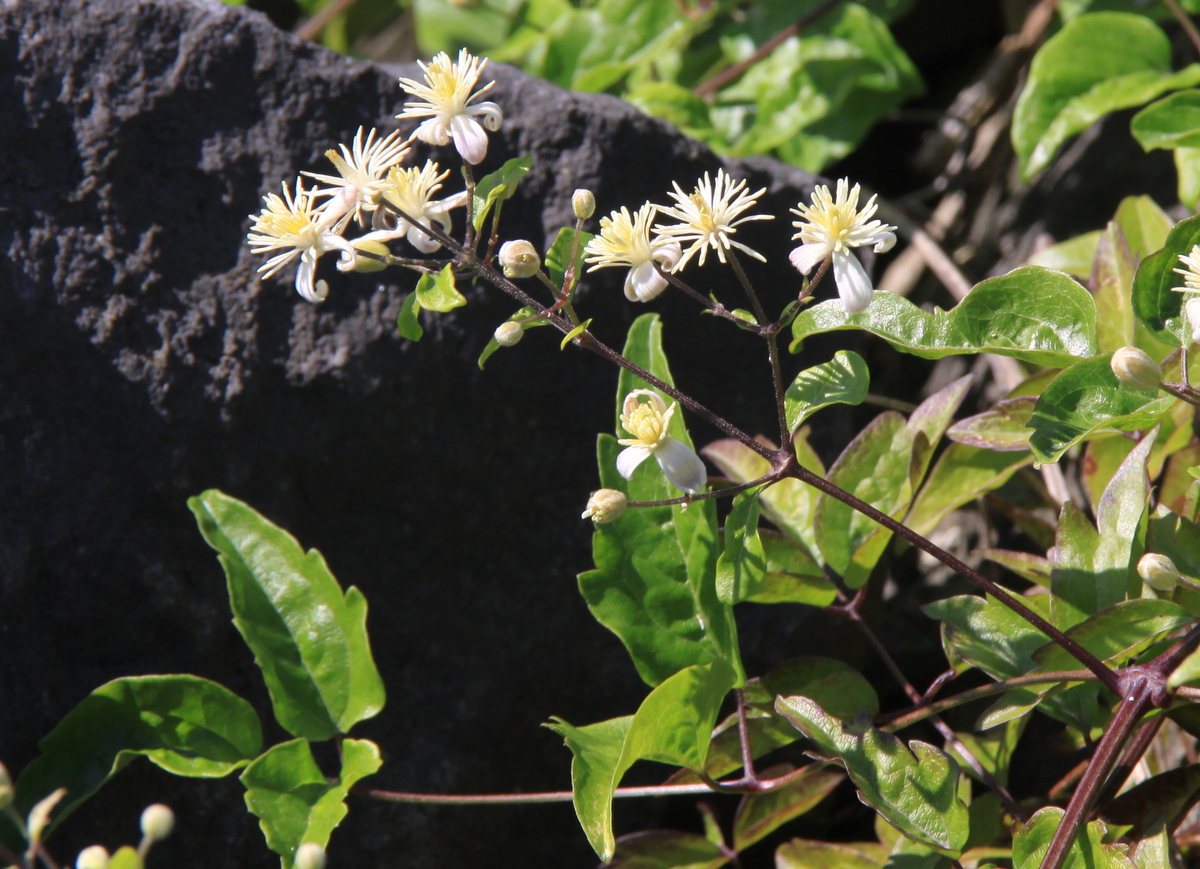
(144,362)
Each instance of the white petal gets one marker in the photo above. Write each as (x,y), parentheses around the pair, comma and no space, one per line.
(852,282)
(644,283)
(681,465)
(469,138)
(1192,309)
(421,241)
(630,457)
(435,131)
(884,242)
(492,116)
(304,278)
(808,256)
(666,255)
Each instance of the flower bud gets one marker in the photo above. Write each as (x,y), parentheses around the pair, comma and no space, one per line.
(310,855)
(508,334)
(1135,369)
(157,822)
(519,259)
(6,788)
(584,203)
(365,263)
(92,857)
(1158,571)
(605,505)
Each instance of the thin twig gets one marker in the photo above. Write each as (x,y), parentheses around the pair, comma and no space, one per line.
(1185,22)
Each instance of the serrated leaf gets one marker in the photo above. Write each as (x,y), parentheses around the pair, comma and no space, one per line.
(187,725)
(1084,400)
(294,801)
(1172,122)
(1003,427)
(654,585)
(1096,64)
(673,725)
(439,293)
(1088,851)
(498,186)
(845,379)
(308,638)
(408,323)
(1032,314)
(1154,302)
(759,815)
(962,474)
(742,566)
(914,786)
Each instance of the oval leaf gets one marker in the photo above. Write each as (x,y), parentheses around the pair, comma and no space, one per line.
(1155,302)
(1172,122)
(843,380)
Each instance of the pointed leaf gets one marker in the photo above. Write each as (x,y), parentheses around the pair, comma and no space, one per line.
(1118,518)
(1154,302)
(962,474)
(1117,633)
(793,576)
(1034,568)
(742,567)
(987,634)
(1087,852)
(187,725)
(914,786)
(843,380)
(497,186)
(1145,225)
(1073,256)
(294,801)
(1111,284)
(308,638)
(1033,314)
(1004,427)
(759,815)
(666,849)
(439,293)
(558,257)
(408,322)
(1172,122)
(1072,579)
(929,422)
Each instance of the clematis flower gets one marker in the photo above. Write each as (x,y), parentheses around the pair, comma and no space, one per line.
(411,190)
(1191,284)
(296,225)
(649,421)
(363,168)
(709,216)
(444,100)
(626,241)
(829,228)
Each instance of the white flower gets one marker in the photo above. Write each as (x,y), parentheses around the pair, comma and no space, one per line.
(411,190)
(445,100)
(296,225)
(829,228)
(363,168)
(649,421)
(707,217)
(625,241)
(1191,281)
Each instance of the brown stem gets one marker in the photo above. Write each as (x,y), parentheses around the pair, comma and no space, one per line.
(1186,23)
(1182,391)
(894,721)
(744,737)
(1137,747)
(770,333)
(714,308)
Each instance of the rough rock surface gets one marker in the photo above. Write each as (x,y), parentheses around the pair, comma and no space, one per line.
(144,362)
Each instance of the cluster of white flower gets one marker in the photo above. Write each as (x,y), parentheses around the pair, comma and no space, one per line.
(370,179)
(710,215)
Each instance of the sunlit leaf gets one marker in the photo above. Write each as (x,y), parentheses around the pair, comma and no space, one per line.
(742,566)
(1154,302)
(439,293)
(759,815)
(498,186)
(1088,851)
(1004,426)
(843,380)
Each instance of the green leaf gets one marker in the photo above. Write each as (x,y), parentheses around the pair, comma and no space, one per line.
(1118,519)
(1034,568)
(309,640)
(1073,256)
(793,576)
(408,322)
(1112,284)
(841,690)
(559,255)
(673,725)
(187,725)
(1172,122)
(1168,796)
(654,585)
(1087,399)
(439,294)
(1096,64)
(914,786)
(1144,224)
(742,566)
(497,186)
(873,467)
(808,854)
(962,474)
(987,634)
(1117,633)
(1031,314)
(1154,302)
(574,333)
(1088,851)
(667,849)
(1003,427)
(993,750)
(1187,166)
(843,380)
(294,801)
(1074,595)
(759,815)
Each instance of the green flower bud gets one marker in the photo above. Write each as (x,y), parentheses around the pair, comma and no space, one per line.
(310,855)
(584,203)
(605,505)
(157,822)
(92,857)
(519,259)
(1135,369)
(508,334)
(367,263)
(1158,571)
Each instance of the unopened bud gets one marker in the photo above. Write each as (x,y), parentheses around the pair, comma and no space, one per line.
(584,203)
(508,334)
(1135,369)
(6,788)
(310,855)
(605,505)
(157,822)
(359,263)
(92,857)
(1158,571)
(519,259)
